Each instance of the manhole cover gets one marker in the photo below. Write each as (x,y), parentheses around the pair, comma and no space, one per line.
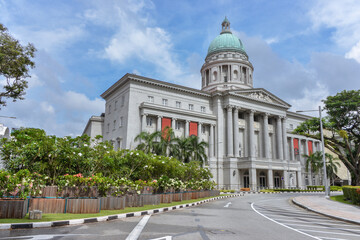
(221,232)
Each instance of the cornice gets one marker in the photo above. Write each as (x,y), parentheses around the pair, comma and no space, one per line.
(131,77)
(146,105)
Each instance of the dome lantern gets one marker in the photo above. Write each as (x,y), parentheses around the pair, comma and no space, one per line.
(225,26)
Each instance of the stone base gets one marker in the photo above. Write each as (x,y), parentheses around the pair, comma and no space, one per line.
(35,214)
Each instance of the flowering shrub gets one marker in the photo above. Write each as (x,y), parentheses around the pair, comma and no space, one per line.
(21,184)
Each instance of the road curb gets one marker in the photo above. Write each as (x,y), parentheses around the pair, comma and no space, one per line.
(8,226)
(324,214)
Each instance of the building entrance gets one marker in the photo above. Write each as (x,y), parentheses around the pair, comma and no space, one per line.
(277,179)
(262,180)
(246,180)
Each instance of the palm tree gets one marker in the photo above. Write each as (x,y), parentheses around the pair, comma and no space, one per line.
(331,167)
(314,162)
(166,142)
(148,141)
(198,149)
(181,149)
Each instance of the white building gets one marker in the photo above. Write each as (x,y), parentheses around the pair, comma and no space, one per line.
(248,129)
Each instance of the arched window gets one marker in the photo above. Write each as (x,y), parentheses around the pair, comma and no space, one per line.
(214,75)
(235,75)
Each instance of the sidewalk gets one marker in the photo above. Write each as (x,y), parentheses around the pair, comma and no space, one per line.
(327,207)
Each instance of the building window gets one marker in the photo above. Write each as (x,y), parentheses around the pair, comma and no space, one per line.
(178,104)
(118,143)
(122,101)
(177,125)
(203,129)
(108,127)
(151,99)
(203,109)
(114,125)
(165,102)
(191,106)
(291,126)
(115,106)
(109,110)
(241,115)
(148,121)
(121,122)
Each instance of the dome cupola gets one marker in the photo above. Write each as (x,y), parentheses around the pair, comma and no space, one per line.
(226,64)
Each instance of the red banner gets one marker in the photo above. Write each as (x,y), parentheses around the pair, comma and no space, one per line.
(193,127)
(310,147)
(165,122)
(296,146)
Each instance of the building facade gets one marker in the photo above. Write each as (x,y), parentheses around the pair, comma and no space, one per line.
(249,130)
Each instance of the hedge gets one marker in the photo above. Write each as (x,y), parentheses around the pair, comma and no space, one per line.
(352,193)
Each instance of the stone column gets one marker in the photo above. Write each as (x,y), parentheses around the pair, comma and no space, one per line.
(236,131)
(173,123)
(211,141)
(284,138)
(270,179)
(199,131)
(305,159)
(143,122)
(299,179)
(251,134)
(230,150)
(266,136)
(286,175)
(187,128)
(252,178)
(158,124)
(292,149)
(279,146)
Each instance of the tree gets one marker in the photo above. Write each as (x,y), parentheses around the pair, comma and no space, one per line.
(198,149)
(15,63)
(331,167)
(343,122)
(314,162)
(148,141)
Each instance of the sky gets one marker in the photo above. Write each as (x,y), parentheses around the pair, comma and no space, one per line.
(302,50)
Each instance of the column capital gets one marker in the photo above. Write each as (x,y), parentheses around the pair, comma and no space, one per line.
(236,108)
(229,107)
(252,111)
(160,116)
(174,119)
(200,123)
(144,114)
(213,125)
(187,121)
(266,114)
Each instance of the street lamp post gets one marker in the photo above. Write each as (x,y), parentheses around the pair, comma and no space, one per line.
(327,190)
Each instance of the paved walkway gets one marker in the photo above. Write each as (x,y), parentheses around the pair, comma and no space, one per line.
(322,205)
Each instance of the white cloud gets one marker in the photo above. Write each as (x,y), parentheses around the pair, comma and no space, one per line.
(137,37)
(74,101)
(47,108)
(343,16)
(354,53)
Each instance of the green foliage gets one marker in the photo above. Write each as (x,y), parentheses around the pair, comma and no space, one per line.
(21,184)
(79,162)
(343,124)
(165,143)
(352,193)
(15,63)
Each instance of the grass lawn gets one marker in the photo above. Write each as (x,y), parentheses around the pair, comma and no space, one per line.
(340,198)
(48,217)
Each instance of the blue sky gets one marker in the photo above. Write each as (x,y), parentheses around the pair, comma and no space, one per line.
(302,51)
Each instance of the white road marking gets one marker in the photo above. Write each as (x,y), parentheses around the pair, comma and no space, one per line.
(310,223)
(46,237)
(347,234)
(342,229)
(228,204)
(296,230)
(163,238)
(333,238)
(135,233)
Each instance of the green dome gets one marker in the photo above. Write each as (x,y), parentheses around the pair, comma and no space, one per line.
(226,41)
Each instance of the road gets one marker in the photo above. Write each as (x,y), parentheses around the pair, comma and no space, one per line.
(258,216)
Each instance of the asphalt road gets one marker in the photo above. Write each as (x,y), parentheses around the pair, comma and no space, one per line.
(260,216)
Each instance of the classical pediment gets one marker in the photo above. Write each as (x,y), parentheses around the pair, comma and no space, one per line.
(260,94)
